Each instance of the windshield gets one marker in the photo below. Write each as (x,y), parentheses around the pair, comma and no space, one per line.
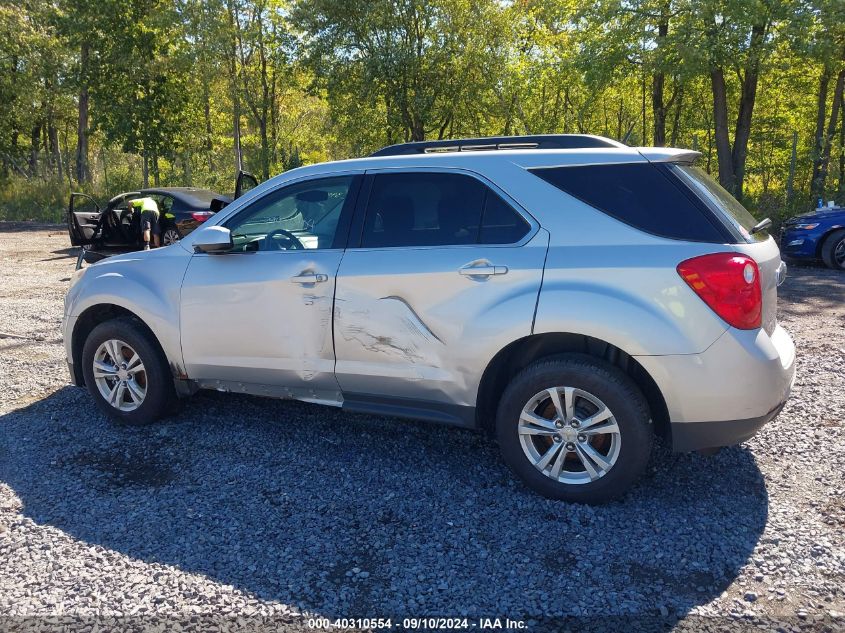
(717,197)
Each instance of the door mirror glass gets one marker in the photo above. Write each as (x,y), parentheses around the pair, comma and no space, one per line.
(212,239)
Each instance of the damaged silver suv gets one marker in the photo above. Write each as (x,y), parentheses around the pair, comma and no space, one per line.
(570,295)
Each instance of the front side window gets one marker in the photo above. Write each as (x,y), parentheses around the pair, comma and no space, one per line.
(437,209)
(303,215)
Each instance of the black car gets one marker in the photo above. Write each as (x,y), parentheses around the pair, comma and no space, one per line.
(114,228)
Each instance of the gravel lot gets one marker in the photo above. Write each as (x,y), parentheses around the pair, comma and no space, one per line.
(247,507)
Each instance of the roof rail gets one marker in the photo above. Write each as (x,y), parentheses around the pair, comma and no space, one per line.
(535,141)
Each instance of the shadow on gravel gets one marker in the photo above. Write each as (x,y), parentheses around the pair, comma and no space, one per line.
(812,287)
(358,516)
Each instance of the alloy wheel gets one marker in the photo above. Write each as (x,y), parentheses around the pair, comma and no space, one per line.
(170,236)
(120,375)
(569,435)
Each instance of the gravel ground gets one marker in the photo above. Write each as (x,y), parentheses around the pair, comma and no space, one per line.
(241,506)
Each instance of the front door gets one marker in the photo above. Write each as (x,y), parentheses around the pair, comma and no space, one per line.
(83,219)
(258,318)
(447,272)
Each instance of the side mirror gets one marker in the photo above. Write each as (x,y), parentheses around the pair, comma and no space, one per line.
(212,239)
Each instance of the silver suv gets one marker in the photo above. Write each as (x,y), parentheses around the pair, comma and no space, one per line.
(570,295)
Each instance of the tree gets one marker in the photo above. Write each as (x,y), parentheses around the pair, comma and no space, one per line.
(416,63)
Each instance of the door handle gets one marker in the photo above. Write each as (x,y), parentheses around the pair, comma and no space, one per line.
(483,271)
(309,278)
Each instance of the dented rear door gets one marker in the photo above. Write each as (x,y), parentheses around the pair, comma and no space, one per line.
(416,325)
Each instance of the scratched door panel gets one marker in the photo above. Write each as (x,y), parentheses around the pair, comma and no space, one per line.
(409,324)
(244,319)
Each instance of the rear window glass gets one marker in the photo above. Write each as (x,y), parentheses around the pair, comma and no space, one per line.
(638,194)
(718,198)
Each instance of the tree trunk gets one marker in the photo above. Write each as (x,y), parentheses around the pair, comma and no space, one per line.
(720,124)
(818,138)
(105,166)
(186,168)
(643,106)
(34,146)
(83,172)
(676,124)
(820,175)
(841,189)
(746,108)
(265,148)
(67,155)
(146,171)
(53,135)
(658,81)
(793,161)
(233,82)
(208,145)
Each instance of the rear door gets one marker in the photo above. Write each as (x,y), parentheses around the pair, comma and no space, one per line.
(83,219)
(442,271)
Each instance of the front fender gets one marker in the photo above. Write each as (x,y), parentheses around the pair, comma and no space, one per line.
(145,284)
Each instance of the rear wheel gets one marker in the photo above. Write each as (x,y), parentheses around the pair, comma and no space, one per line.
(126,372)
(833,250)
(575,428)
(170,236)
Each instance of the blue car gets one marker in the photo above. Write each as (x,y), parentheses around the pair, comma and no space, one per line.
(819,235)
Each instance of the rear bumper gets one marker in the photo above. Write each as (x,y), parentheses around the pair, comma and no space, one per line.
(692,436)
(723,395)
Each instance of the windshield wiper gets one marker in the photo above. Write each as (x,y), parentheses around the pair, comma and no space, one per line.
(762,225)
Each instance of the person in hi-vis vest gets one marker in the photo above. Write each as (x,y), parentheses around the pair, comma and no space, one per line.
(149,221)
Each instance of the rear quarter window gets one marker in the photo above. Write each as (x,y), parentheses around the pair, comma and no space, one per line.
(638,194)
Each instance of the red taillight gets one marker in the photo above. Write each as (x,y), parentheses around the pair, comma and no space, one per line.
(730,284)
(201,216)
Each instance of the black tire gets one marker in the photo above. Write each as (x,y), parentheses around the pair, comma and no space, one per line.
(160,398)
(832,242)
(603,381)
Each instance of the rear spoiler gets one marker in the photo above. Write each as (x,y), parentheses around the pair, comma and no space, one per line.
(668,154)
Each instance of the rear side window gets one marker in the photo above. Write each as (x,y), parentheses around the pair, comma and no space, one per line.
(640,195)
(500,224)
(437,209)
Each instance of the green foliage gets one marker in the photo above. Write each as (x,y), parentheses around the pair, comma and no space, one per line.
(38,200)
(187,91)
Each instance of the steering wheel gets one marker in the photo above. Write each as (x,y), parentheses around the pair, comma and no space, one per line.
(274,243)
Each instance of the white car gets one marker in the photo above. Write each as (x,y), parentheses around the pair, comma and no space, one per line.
(570,295)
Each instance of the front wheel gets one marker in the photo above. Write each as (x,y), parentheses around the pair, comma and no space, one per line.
(575,428)
(126,372)
(833,250)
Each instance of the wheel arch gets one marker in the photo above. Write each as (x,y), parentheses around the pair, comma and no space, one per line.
(825,236)
(93,316)
(522,352)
